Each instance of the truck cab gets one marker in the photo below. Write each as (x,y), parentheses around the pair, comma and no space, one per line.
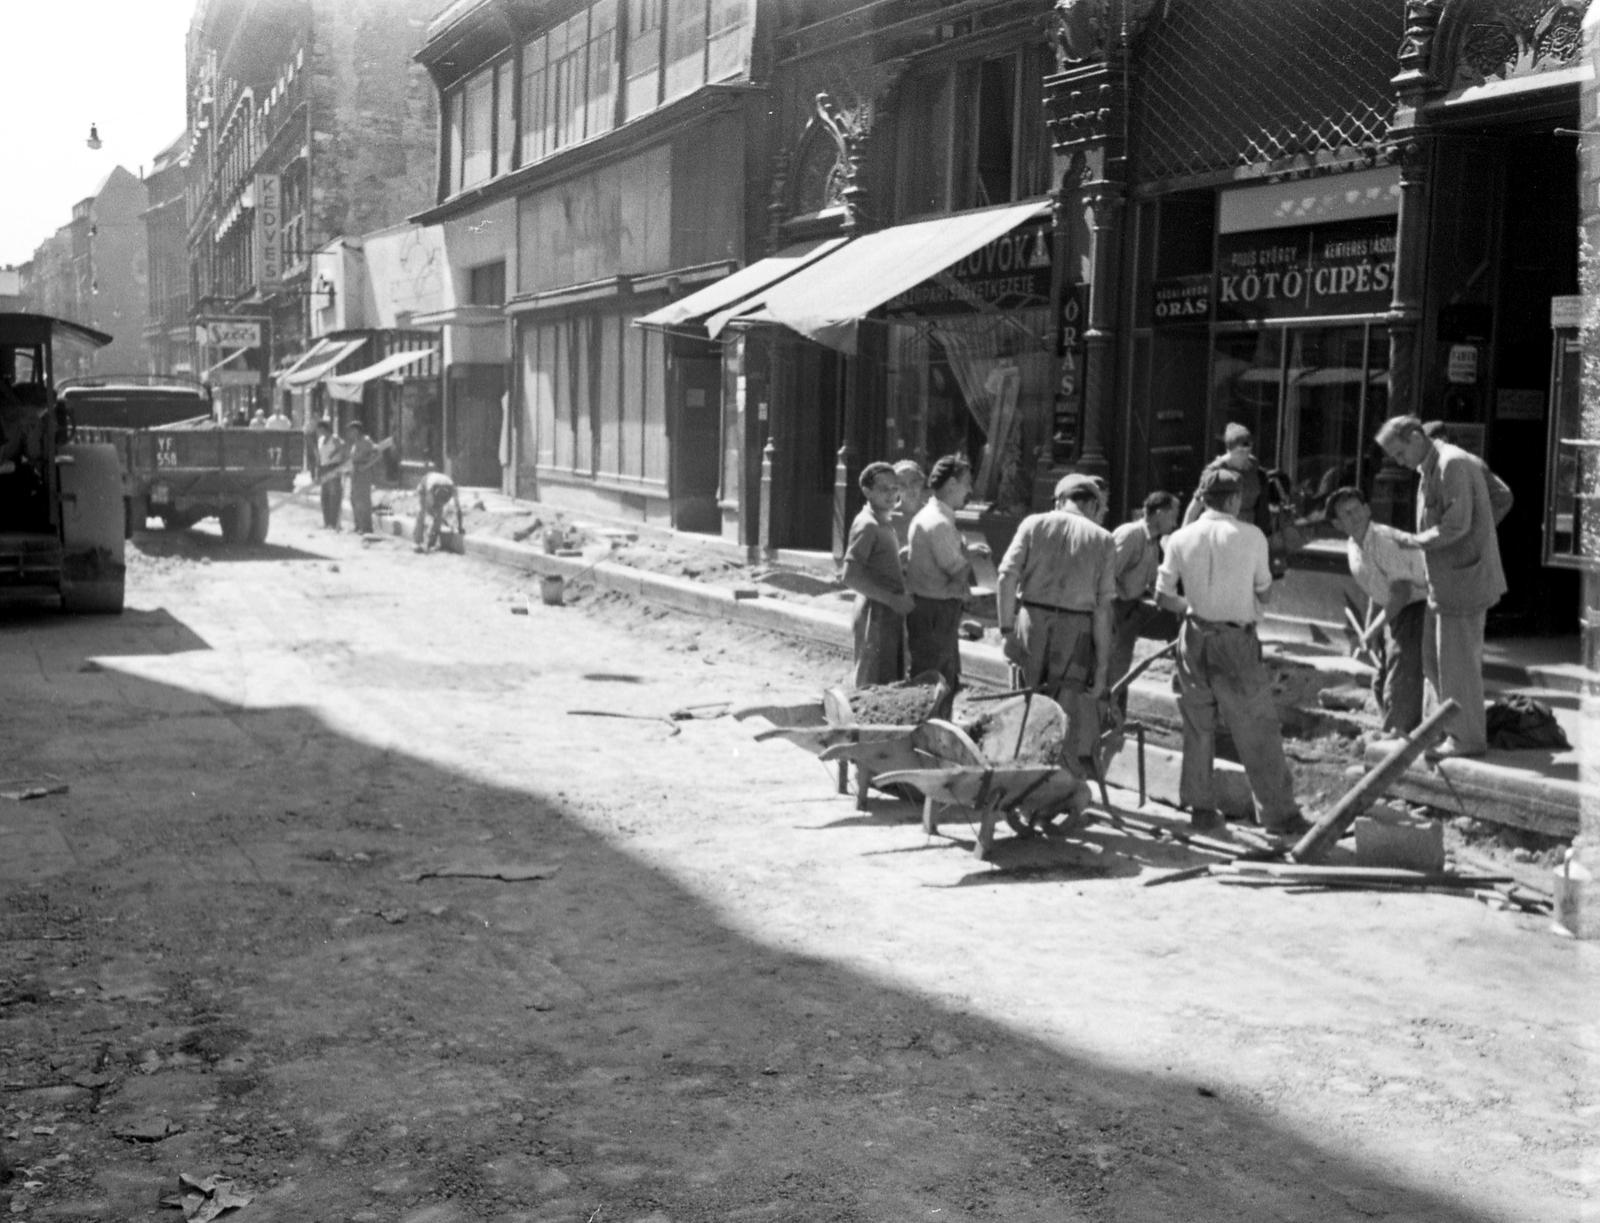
(61,514)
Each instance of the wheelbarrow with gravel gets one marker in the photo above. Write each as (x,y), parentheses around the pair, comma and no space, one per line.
(1010,762)
(872,728)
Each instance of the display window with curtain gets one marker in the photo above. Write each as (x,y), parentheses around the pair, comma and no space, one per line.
(971,365)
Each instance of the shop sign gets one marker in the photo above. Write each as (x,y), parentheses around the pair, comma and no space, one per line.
(1010,273)
(1566,312)
(1181,299)
(225,333)
(269,232)
(234,377)
(1343,268)
(1462,366)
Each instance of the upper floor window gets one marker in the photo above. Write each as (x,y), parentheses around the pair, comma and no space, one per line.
(479,133)
(972,134)
(486,285)
(569,82)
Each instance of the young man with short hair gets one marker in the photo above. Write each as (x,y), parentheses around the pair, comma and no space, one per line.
(1222,564)
(1455,533)
(1395,578)
(330,473)
(1138,546)
(939,573)
(872,570)
(913,496)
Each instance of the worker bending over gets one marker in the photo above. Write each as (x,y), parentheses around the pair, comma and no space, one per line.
(435,493)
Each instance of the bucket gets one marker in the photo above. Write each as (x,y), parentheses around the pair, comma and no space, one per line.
(552,588)
(1571,882)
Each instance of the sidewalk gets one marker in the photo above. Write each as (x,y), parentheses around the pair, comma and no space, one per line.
(1539,791)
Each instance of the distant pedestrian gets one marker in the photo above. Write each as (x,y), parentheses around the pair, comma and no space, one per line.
(435,492)
(278,420)
(1222,565)
(330,462)
(259,420)
(1395,578)
(1238,456)
(1056,585)
(1455,531)
(361,459)
(872,570)
(939,573)
(1138,558)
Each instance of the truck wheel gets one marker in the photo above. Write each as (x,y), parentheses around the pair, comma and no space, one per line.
(235,518)
(260,516)
(92,598)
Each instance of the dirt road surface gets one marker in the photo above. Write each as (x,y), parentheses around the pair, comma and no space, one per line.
(724,994)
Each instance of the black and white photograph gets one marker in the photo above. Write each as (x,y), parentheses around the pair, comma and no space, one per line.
(800,611)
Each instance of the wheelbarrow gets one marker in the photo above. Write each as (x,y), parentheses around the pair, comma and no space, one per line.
(830,730)
(1011,773)
(1116,726)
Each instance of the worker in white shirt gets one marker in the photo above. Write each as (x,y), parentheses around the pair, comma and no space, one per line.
(278,420)
(1396,579)
(1222,564)
(435,494)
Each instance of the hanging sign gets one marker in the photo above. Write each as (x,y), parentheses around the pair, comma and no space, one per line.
(228,333)
(1010,273)
(1181,299)
(269,232)
(1345,268)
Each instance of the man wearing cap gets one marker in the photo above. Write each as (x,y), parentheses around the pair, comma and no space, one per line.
(1455,531)
(1222,565)
(1056,584)
(1138,557)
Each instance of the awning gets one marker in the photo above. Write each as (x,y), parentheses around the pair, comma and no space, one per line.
(327,360)
(348,386)
(723,293)
(310,354)
(827,300)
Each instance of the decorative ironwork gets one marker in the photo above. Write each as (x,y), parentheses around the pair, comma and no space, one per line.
(1082,31)
(1503,39)
(1084,106)
(827,172)
(1225,83)
(1416,48)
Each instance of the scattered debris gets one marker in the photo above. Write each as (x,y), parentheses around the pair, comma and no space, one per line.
(393,916)
(710,709)
(507,873)
(31,792)
(148,1129)
(203,1200)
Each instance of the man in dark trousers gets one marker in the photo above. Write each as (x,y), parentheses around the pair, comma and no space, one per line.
(330,461)
(939,572)
(1056,585)
(1222,565)
(1138,557)
(361,459)
(872,570)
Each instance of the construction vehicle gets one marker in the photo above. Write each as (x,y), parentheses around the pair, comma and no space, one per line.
(61,511)
(178,464)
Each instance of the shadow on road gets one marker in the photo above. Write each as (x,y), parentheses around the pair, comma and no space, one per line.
(246,954)
(199,542)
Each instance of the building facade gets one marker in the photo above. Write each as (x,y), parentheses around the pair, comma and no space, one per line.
(308,121)
(168,332)
(93,270)
(593,162)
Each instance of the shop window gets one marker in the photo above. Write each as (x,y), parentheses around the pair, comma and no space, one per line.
(972,135)
(1186,233)
(486,284)
(1312,397)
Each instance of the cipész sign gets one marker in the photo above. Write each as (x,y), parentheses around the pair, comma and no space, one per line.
(1346,268)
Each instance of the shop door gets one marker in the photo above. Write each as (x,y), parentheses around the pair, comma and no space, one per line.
(472,424)
(807,446)
(696,443)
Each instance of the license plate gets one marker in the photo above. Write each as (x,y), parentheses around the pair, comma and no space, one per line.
(160,493)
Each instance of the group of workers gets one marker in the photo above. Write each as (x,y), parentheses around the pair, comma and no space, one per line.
(1072,598)
(354,458)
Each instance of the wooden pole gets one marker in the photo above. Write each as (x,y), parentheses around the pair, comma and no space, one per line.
(1370,788)
(765,527)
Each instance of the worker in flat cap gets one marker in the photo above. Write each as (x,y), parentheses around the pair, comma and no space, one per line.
(1221,565)
(1056,585)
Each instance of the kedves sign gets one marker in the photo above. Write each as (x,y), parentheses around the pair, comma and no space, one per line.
(1345,268)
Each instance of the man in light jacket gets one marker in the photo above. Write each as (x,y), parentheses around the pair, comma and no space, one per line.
(1455,530)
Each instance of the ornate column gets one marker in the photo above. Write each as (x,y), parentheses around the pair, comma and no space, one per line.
(1086,104)
(1414,146)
